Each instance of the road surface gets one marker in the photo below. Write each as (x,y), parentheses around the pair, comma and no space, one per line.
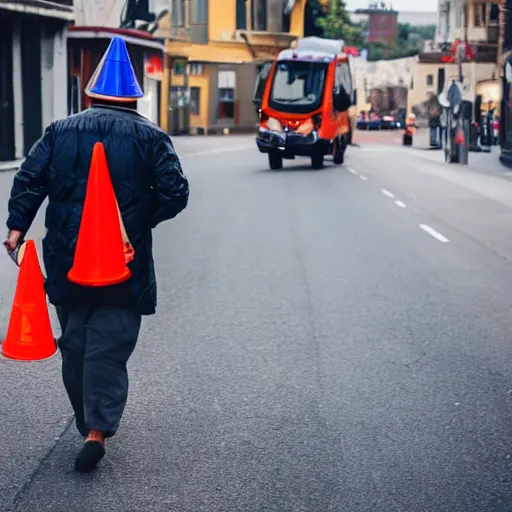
(336,340)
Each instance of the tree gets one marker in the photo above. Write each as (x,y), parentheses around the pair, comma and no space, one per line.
(336,24)
(314,11)
(404,30)
(426,32)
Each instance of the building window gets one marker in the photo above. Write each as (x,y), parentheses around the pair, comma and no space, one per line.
(226,84)
(198,21)
(226,103)
(197,68)
(494,14)
(241,14)
(178,13)
(259,15)
(199,12)
(179,67)
(430,80)
(262,15)
(480,14)
(477,13)
(194,100)
(459,14)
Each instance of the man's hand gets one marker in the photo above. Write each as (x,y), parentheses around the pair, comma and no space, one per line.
(13,239)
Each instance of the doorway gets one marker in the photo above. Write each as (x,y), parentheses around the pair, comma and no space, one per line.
(31,77)
(6,93)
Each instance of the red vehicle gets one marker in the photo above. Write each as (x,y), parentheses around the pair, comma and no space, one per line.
(305,103)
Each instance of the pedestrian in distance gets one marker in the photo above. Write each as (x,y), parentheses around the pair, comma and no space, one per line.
(100,324)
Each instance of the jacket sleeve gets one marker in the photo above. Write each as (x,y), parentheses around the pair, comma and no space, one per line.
(29,188)
(170,184)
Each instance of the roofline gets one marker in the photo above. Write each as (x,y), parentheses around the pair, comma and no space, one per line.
(136,37)
(301,55)
(369,12)
(62,12)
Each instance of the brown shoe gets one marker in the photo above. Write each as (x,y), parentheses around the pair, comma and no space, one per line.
(92,452)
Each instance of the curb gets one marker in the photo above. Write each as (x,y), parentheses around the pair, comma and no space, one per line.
(506,158)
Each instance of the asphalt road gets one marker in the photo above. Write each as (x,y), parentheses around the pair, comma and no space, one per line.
(334,340)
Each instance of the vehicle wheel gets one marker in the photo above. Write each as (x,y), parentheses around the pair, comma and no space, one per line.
(275,161)
(317,161)
(339,151)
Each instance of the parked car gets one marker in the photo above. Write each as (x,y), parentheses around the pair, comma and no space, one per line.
(362,123)
(375,123)
(389,123)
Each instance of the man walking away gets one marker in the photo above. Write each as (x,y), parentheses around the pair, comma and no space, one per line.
(100,326)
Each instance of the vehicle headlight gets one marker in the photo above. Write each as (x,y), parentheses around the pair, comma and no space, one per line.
(274,125)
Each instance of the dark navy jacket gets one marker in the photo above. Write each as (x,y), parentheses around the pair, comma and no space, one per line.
(148,181)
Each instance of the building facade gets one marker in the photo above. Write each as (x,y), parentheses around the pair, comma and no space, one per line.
(506,108)
(381,23)
(33,71)
(213,53)
(474,21)
(95,25)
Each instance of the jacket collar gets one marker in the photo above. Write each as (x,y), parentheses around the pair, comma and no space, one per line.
(118,109)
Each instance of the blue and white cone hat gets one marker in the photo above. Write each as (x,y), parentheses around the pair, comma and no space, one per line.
(114,78)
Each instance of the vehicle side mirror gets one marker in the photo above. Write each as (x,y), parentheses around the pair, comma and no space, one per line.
(341,100)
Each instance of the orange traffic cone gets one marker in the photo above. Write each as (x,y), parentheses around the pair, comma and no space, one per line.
(100,251)
(459,138)
(29,336)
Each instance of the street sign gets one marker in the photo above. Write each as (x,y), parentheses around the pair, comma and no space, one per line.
(454,95)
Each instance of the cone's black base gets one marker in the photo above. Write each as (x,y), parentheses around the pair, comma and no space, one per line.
(89,456)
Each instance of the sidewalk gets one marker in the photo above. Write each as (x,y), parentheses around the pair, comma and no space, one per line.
(10,166)
(483,163)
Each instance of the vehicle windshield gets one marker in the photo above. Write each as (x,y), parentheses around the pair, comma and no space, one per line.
(298,86)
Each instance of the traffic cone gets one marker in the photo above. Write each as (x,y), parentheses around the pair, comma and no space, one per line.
(114,79)
(100,250)
(29,336)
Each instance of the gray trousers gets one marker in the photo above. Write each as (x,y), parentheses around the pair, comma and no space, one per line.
(96,343)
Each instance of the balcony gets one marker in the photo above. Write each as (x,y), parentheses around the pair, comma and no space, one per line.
(165,30)
(265,45)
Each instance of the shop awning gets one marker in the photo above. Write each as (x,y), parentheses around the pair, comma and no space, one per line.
(131,36)
(61,9)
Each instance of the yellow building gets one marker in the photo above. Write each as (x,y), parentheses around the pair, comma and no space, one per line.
(213,50)
(476,21)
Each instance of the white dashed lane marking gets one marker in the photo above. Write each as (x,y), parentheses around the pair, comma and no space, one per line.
(433,233)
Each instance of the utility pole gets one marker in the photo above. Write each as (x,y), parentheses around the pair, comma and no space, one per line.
(501,36)
(166,78)
(461,49)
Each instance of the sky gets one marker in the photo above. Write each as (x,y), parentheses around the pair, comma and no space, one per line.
(399,5)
